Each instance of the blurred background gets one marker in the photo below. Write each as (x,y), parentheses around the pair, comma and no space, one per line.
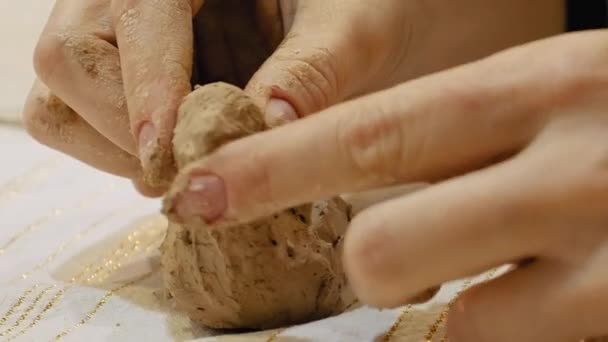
(21,21)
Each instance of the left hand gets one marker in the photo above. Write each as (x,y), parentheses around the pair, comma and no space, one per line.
(518,146)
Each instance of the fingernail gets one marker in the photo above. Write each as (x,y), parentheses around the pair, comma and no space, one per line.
(147,136)
(279,112)
(205,197)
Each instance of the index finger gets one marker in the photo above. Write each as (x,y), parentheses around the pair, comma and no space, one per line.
(155,42)
(425,130)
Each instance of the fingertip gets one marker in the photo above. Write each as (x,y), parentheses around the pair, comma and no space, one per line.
(367,260)
(146,190)
(378,275)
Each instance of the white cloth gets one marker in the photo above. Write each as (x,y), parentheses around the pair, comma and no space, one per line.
(21,22)
(72,237)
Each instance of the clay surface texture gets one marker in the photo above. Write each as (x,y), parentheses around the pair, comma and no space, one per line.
(276,271)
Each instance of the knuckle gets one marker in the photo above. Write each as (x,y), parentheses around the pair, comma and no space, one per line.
(373,143)
(372,260)
(314,76)
(363,251)
(46,118)
(49,52)
(582,73)
(87,50)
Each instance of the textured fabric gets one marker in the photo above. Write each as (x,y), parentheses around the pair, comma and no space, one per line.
(79,261)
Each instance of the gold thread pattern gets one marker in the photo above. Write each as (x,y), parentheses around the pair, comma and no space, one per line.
(42,313)
(20,183)
(150,233)
(442,316)
(27,311)
(57,212)
(444,313)
(393,329)
(63,247)
(102,302)
(146,237)
(16,305)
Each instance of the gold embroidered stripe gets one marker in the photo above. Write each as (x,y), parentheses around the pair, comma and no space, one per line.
(147,235)
(151,233)
(27,311)
(42,313)
(21,183)
(16,305)
(57,212)
(393,329)
(64,246)
(102,302)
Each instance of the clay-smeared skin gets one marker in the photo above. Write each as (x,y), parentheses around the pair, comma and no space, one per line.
(277,271)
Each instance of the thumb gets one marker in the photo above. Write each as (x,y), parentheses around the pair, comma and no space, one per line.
(324,58)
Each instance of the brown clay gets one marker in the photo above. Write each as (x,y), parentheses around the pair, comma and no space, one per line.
(276,271)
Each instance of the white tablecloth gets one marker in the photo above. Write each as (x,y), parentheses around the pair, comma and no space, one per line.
(78,261)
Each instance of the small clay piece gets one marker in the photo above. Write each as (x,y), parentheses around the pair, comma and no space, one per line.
(276,271)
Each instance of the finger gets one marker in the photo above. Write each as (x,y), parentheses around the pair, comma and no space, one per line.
(147,190)
(323,58)
(77,59)
(425,130)
(534,303)
(386,243)
(56,125)
(156,42)
(415,132)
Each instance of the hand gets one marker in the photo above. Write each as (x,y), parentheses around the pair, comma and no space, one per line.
(333,50)
(78,63)
(516,145)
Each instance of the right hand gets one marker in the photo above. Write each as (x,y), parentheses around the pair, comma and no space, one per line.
(333,50)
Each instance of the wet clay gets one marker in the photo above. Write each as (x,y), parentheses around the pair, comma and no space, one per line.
(279,270)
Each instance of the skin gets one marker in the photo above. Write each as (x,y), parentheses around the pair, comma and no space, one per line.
(130,98)
(522,177)
(514,143)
